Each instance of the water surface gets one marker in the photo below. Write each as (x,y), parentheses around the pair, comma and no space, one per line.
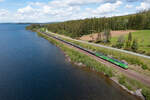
(31,68)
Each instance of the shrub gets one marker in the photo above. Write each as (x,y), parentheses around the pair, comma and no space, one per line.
(148,53)
(144,67)
(146,93)
(140,51)
(123,81)
(120,42)
(134,46)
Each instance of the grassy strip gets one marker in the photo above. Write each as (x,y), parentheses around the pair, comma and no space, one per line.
(78,57)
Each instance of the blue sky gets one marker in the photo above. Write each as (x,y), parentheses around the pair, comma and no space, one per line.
(61,10)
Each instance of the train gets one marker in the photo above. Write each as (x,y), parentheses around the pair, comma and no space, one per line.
(97,54)
(112,60)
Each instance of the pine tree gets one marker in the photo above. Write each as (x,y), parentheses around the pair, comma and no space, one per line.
(107,33)
(134,46)
(128,42)
(120,42)
(130,37)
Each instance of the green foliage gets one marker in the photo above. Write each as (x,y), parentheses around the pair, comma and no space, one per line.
(144,66)
(120,42)
(146,93)
(130,37)
(128,45)
(128,42)
(123,81)
(134,46)
(33,27)
(107,35)
(148,53)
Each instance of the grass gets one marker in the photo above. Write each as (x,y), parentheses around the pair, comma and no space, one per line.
(146,93)
(143,37)
(123,81)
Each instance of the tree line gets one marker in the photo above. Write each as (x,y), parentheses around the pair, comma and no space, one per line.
(77,28)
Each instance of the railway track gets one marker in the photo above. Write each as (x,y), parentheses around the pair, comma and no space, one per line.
(130,73)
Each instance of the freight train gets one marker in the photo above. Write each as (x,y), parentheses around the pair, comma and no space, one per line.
(97,54)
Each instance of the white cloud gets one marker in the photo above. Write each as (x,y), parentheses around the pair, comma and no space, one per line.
(107,8)
(26,10)
(60,10)
(79,2)
(47,12)
(1,0)
(3,12)
(128,6)
(144,5)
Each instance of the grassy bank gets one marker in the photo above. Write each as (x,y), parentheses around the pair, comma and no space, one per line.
(78,57)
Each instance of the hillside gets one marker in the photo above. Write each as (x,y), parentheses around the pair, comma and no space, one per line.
(77,28)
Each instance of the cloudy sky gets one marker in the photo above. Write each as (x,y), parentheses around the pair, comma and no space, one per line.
(61,10)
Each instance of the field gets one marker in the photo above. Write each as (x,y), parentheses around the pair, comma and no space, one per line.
(113,34)
(143,37)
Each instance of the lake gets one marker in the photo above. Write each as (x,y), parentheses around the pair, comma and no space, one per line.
(31,68)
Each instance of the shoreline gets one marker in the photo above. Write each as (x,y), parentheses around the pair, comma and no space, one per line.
(137,93)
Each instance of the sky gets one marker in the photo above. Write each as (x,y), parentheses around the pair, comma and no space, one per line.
(62,10)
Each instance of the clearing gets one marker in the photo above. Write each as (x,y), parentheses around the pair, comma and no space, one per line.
(113,34)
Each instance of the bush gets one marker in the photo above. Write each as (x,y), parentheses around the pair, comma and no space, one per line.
(146,93)
(144,67)
(120,42)
(123,81)
(134,46)
(140,51)
(148,53)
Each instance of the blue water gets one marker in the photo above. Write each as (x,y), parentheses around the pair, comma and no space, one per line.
(31,68)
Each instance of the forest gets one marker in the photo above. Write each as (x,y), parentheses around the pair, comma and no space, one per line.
(77,28)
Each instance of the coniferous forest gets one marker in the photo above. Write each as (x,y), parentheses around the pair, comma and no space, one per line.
(77,28)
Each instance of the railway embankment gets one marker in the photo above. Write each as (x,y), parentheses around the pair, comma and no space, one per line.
(133,86)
